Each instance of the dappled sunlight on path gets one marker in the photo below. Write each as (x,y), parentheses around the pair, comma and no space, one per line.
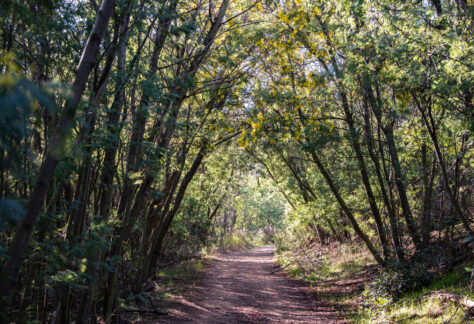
(239,287)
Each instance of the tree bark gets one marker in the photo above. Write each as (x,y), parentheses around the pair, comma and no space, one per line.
(160,233)
(428,180)
(22,237)
(391,215)
(365,177)
(388,131)
(346,209)
(431,128)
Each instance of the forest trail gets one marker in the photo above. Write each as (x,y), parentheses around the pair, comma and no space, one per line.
(239,287)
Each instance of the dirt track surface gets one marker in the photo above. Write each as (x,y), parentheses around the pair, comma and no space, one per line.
(239,287)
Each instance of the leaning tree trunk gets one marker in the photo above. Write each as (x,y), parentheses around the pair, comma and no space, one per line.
(365,176)
(353,136)
(346,209)
(22,237)
(399,178)
(155,248)
(391,214)
(431,128)
(107,168)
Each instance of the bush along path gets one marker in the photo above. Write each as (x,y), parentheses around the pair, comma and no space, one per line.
(243,287)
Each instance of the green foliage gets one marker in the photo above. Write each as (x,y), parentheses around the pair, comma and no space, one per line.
(234,242)
(298,123)
(398,280)
(259,205)
(419,305)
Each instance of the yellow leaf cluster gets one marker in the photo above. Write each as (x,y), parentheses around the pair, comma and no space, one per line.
(255,128)
(316,11)
(242,140)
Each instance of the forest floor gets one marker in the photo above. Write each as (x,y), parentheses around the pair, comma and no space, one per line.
(249,287)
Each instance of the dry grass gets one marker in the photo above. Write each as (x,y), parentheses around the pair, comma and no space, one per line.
(323,263)
(424,305)
(338,272)
(413,311)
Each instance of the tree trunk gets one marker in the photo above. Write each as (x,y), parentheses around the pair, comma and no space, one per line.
(428,180)
(346,210)
(391,215)
(388,131)
(365,176)
(412,228)
(431,128)
(107,169)
(22,238)
(160,233)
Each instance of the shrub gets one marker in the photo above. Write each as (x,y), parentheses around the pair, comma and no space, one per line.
(398,279)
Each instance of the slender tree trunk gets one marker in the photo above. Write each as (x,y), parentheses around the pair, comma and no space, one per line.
(83,192)
(346,209)
(431,128)
(428,180)
(412,228)
(22,238)
(391,215)
(155,249)
(107,169)
(365,177)
(399,178)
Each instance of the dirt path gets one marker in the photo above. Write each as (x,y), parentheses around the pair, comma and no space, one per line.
(238,287)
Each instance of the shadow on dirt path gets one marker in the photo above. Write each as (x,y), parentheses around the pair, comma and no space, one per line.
(239,287)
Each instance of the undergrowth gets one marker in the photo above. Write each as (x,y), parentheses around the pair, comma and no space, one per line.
(331,262)
(235,242)
(169,283)
(422,305)
(329,267)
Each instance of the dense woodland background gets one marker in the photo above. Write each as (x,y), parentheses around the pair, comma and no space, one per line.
(137,132)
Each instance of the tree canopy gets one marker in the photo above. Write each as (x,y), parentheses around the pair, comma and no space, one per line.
(134,130)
